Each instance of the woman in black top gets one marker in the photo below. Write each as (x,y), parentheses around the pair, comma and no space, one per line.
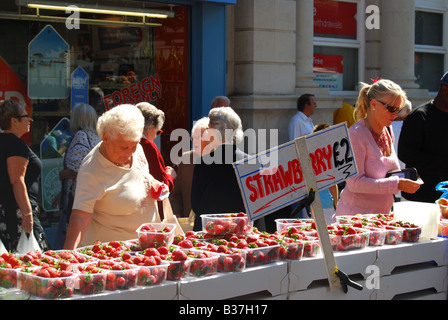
(20,171)
(215,188)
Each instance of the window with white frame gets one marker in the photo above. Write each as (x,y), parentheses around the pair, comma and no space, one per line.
(337,44)
(429,49)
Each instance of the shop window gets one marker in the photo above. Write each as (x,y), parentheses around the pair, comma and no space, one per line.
(128,64)
(429,70)
(428,28)
(429,50)
(336,45)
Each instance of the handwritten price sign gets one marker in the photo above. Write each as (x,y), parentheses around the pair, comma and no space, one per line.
(273,179)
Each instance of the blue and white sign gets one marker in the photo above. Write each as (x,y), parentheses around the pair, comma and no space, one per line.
(48,66)
(80,87)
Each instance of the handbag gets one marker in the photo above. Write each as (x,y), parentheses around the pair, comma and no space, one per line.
(27,243)
(170,217)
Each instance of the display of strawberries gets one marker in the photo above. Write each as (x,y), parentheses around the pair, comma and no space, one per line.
(120,275)
(152,275)
(203,263)
(223,224)
(90,280)
(105,251)
(69,256)
(411,232)
(179,264)
(291,249)
(154,235)
(347,237)
(47,282)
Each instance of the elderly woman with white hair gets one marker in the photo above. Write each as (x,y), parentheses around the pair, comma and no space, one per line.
(215,188)
(112,196)
(180,198)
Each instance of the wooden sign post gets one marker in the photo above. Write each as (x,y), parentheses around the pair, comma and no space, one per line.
(283,175)
(318,213)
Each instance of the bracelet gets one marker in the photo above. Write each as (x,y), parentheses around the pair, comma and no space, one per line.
(27,215)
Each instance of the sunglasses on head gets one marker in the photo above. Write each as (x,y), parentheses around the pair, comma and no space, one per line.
(389,108)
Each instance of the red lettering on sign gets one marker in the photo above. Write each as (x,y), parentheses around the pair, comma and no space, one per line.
(149,89)
(263,184)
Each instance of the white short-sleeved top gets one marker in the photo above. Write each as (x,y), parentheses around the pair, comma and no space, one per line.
(117,197)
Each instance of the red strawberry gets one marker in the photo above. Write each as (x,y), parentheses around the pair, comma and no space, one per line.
(218,229)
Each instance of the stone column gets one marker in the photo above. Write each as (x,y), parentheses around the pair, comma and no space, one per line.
(397,42)
(304,45)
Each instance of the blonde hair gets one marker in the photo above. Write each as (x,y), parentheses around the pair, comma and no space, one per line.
(380,90)
(125,120)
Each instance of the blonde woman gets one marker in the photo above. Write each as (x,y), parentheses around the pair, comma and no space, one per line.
(372,143)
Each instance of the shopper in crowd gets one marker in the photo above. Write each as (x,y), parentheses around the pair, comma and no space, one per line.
(154,119)
(301,124)
(370,191)
(215,188)
(330,196)
(180,198)
(19,178)
(83,121)
(423,144)
(113,197)
(220,101)
(346,113)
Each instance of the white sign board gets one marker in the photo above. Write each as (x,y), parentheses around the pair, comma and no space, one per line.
(273,179)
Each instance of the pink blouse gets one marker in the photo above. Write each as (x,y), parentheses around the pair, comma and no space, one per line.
(369,191)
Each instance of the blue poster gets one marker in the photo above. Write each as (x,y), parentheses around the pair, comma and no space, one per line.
(48,66)
(80,87)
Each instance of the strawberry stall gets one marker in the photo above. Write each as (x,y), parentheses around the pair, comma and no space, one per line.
(377,252)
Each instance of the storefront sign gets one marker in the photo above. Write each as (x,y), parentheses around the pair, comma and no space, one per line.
(328,70)
(268,189)
(12,87)
(335,18)
(80,87)
(52,150)
(48,66)
(149,89)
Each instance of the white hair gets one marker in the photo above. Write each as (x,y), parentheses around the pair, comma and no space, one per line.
(228,123)
(125,120)
(200,124)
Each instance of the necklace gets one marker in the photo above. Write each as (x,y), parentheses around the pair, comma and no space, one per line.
(382,140)
(121,165)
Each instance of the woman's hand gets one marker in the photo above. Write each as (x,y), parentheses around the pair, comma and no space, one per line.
(171,171)
(27,223)
(409,186)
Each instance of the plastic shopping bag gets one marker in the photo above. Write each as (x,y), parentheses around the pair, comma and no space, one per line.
(27,243)
(443,200)
(170,217)
(2,248)
(443,187)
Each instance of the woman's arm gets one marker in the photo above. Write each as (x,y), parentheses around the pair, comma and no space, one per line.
(79,222)
(16,170)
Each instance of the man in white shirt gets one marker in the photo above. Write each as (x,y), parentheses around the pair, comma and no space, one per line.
(301,124)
